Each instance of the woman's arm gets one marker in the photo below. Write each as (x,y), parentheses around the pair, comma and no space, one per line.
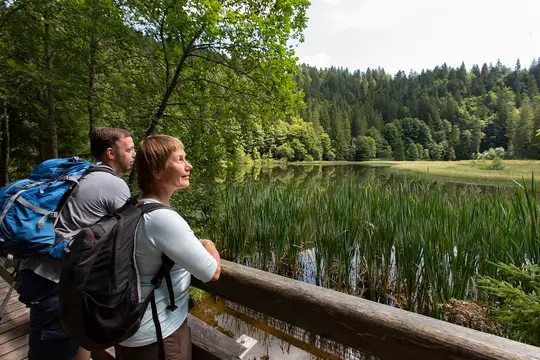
(211,248)
(172,235)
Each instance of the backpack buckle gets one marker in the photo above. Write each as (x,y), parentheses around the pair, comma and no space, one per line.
(172,307)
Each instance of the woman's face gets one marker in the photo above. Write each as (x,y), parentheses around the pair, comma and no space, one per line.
(176,172)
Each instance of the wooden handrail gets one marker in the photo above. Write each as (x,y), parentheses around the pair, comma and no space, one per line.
(372,328)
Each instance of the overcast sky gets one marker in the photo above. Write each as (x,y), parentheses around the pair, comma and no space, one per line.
(420,34)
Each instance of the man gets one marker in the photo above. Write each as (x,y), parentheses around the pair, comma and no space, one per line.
(98,194)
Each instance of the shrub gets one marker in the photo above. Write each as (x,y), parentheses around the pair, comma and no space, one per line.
(285,151)
(491,154)
(495,164)
(515,301)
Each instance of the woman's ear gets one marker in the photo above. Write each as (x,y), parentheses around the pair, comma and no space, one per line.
(157,175)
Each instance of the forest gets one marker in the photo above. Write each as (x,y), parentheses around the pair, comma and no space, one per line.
(443,113)
(223,77)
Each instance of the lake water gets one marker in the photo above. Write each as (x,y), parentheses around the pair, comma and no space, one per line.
(203,202)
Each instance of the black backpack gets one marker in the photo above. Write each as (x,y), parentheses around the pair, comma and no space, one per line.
(100,303)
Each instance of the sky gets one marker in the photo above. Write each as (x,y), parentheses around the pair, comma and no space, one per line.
(420,34)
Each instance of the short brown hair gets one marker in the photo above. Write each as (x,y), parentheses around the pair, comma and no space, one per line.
(103,138)
(152,156)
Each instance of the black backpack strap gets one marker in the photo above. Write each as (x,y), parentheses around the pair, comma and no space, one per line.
(159,334)
(104,168)
(168,263)
(163,272)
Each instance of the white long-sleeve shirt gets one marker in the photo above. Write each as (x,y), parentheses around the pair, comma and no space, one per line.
(164,231)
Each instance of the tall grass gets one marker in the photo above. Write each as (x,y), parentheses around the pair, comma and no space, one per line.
(413,245)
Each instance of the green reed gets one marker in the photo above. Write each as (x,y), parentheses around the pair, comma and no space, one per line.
(413,244)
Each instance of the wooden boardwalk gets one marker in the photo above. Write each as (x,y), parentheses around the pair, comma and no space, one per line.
(13,326)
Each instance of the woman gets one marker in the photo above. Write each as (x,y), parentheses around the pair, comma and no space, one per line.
(162,169)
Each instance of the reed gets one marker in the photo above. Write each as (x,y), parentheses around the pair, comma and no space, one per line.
(414,244)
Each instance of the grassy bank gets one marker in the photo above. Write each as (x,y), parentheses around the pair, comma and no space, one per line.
(467,170)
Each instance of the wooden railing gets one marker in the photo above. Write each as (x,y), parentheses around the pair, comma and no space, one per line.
(369,327)
(372,328)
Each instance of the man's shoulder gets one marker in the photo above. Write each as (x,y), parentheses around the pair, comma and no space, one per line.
(110,187)
(104,174)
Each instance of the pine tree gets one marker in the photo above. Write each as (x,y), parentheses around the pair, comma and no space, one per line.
(526,128)
(532,87)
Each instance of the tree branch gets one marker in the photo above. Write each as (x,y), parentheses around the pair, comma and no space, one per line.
(229,66)
(223,87)
(174,83)
(161,24)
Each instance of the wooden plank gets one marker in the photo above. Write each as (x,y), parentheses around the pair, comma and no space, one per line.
(13,315)
(14,307)
(19,354)
(6,275)
(13,333)
(3,291)
(377,329)
(13,345)
(3,283)
(209,343)
(13,299)
(23,319)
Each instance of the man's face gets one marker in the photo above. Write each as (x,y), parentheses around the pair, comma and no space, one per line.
(124,154)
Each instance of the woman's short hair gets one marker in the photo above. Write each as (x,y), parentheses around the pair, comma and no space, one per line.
(152,156)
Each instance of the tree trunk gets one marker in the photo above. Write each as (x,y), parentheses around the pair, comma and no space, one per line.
(172,86)
(92,107)
(170,89)
(156,118)
(161,110)
(48,130)
(5,148)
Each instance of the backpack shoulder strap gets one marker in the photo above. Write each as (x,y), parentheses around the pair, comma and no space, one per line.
(95,168)
(149,207)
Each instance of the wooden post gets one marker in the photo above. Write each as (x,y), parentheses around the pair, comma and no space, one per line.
(372,328)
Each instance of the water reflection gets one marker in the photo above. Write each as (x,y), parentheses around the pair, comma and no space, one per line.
(275,339)
(324,174)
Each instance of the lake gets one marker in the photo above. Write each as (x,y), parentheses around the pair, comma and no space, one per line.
(403,240)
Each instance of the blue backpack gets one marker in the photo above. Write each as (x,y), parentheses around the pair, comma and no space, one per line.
(30,207)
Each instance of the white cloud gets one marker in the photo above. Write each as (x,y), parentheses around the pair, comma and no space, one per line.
(328,2)
(320,60)
(417,34)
